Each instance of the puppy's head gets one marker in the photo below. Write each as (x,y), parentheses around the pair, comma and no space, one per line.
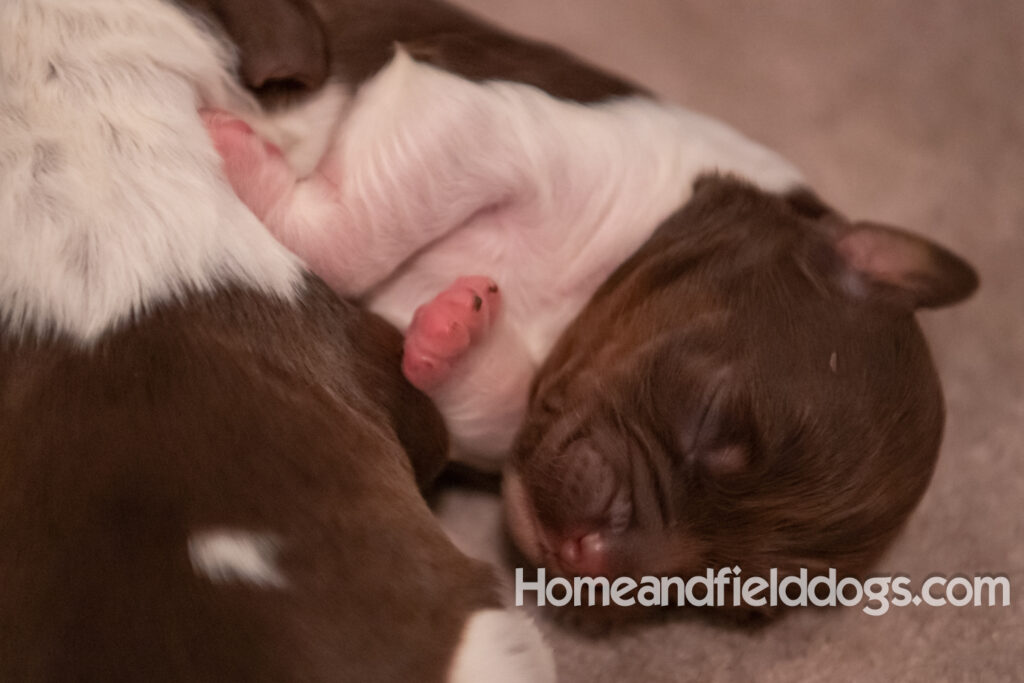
(281,43)
(751,388)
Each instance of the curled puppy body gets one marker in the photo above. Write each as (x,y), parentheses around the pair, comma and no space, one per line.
(433,175)
(210,462)
(730,372)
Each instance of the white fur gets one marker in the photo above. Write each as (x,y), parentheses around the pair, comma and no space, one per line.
(112,198)
(304,131)
(501,646)
(226,556)
(441,177)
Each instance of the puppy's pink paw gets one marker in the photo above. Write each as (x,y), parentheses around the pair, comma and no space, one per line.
(445,328)
(255,168)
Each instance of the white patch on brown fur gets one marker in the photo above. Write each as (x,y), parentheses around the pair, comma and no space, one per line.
(227,556)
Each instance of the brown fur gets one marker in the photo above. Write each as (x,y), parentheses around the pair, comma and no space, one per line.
(357,38)
(362,36)
(753,410)
(225,410)
(281,43)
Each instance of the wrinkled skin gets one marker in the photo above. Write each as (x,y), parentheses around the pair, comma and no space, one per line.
(751,388)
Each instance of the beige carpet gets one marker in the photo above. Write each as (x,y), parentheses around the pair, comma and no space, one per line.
(909,112)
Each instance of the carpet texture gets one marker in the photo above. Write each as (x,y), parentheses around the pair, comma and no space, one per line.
(910,113)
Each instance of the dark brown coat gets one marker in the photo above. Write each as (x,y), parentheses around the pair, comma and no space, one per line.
(224,411)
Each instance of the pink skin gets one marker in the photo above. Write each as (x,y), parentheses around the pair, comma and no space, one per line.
(256,169)
(442,330)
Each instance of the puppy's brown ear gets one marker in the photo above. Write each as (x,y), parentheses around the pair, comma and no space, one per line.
(906,266)
(281,43)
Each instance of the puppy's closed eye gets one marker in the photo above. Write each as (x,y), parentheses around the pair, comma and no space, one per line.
(716,438)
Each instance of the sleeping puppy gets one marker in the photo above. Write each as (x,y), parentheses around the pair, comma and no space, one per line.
(724,370)
(210,462)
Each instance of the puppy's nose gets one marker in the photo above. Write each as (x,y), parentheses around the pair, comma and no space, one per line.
(584,555)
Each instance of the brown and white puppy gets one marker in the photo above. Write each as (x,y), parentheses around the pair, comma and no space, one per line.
(209,462)
(749,389)
(725,371)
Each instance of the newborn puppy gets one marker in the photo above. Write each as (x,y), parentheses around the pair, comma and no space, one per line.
(210,462)
(725,371)
(749,389)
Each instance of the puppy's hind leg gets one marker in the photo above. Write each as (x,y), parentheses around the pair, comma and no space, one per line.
(484,398)
(444,329)
(465,355)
